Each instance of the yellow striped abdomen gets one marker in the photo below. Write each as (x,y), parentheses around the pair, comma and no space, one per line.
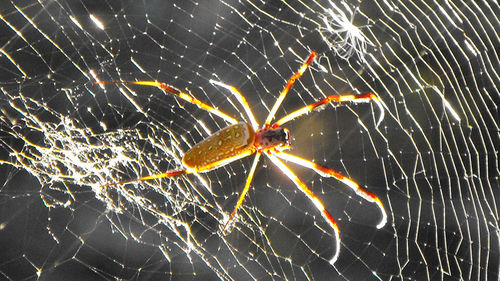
(227,145)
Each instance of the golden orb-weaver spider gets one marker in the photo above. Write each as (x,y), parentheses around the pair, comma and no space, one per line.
(241,139)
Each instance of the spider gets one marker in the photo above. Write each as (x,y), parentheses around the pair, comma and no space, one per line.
(242,139)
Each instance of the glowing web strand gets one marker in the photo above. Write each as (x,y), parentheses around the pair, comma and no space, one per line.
(336,23)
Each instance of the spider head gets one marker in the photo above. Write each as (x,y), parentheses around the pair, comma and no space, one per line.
(272,138)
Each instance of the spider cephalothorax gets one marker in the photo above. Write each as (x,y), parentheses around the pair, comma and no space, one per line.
(272,138)
(241,139)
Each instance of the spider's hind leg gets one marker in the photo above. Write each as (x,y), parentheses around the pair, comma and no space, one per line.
(168,174)
(225,229)
(170,89)
(241,99)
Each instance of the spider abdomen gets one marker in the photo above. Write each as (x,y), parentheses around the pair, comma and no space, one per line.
(223,146)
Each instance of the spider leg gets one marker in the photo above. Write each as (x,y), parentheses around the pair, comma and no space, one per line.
(326,172)
(185,96)
(290,83)
(242,100)
(245,190)
(332,99)
(302,187)
(168,174)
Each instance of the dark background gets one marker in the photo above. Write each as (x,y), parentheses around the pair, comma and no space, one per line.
(437,177)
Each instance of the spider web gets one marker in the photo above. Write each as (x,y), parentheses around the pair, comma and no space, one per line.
(433,160)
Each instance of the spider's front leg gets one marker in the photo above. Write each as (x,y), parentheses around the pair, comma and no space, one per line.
(332,99)
(314,199)
(326,172)
(289,85)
